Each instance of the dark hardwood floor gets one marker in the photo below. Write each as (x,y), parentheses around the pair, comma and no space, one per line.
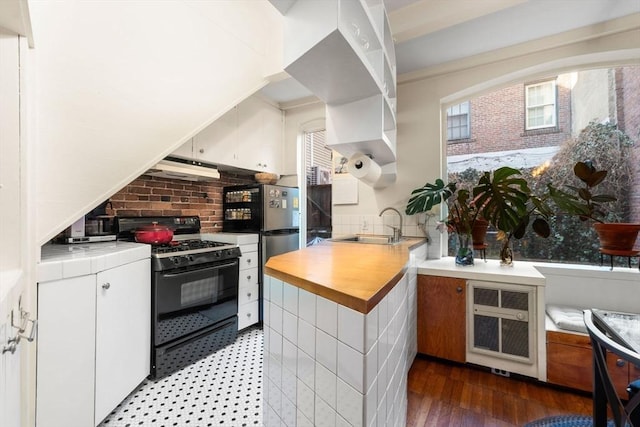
(448,394)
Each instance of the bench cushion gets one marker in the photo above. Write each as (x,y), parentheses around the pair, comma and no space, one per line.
(567,318)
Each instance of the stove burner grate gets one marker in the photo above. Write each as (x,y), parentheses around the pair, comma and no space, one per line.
(185,245)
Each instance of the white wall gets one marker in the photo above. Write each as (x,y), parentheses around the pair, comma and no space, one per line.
(122,84)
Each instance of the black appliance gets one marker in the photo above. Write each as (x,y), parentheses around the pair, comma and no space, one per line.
(194,293)
(271,211)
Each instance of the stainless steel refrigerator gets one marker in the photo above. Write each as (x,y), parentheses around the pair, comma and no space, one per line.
(271,211)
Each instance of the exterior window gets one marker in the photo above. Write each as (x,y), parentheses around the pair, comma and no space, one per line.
(458,121)
(541,105)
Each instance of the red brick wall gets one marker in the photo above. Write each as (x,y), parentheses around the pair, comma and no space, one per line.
(627,92)
(152,196)
(498,123)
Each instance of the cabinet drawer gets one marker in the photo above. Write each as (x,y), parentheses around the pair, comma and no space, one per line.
(247,314)
(245,249)
(248,277)
(248,294)
(248,260)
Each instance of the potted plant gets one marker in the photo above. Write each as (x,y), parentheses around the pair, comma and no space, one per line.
(584,202)
(462,213)
(506,201)
(501,198)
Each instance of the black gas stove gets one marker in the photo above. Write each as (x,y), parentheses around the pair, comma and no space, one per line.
(194,292)
(185,250)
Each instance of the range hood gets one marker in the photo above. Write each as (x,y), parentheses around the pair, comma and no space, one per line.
(188,170)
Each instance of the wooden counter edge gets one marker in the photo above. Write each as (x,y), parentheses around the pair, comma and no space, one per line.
(350,301)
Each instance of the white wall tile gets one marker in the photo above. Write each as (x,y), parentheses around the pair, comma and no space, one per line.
(275,346)
(327,316)
(350,404)
(325,416)
(266,287)
(305,400)
(383,384)
(289,356)
(289,383)
(307,306)
(382,407)
(351,329)
(275,397)
(341,422)
(383,317)
(289,413)
(302,421)
(351,366)
(306,369)
(275,318)
(290,298)
(371,404)
(327,350)
(276,291)
(290,326)
(371,328)
(266,305)
(306,337)
(326,385)
(370,367)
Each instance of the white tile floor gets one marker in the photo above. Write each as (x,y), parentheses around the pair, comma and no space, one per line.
(223,389)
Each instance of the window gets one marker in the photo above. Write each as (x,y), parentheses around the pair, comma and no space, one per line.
(541,105)
(587,109)
(458,121)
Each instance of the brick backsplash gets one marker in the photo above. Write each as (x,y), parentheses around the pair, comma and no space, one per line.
(153,196)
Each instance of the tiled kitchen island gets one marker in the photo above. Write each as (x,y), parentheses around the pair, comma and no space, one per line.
(339,331)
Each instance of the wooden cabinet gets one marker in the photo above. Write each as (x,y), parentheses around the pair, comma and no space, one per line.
(249,136)
(570,363)
(93,343)
(441,317)
(248,286)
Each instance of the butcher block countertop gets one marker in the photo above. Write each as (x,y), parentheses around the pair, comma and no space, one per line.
(355,275)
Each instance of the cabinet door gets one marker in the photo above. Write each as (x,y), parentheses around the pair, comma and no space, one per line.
(441,317)
(66,352)
(123,333)
(218,142)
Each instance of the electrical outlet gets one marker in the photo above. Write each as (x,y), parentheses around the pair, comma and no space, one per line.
(500,372)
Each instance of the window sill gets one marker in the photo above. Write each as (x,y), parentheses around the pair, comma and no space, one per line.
(542,131)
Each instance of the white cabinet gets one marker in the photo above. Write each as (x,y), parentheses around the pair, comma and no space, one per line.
(93,343)
(123,333)
(248,286)
(249,136)
(342,50)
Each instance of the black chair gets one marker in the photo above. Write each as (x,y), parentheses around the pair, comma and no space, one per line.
(624,409)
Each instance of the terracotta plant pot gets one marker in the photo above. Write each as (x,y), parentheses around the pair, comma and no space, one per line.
(617,236)
(479,231)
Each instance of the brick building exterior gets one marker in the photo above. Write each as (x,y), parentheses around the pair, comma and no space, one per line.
(497,122)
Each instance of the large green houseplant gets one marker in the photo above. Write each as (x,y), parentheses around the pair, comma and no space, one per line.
(502,197)
(588,205)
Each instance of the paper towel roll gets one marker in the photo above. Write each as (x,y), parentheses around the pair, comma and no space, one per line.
(364,168)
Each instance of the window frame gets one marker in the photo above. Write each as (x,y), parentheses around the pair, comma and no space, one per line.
(528,107)
(468,121)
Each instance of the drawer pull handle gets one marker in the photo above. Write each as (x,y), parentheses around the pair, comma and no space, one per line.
(248,314)
(248,294)
(249,261)
(620,363)
(459,289)
(106,286)
(249,277)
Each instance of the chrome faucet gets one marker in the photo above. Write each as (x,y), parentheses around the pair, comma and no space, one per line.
(397,231)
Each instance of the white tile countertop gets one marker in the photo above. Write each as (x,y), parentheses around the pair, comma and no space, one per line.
(65,261)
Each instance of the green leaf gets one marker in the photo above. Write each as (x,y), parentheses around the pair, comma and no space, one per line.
(423,199)
(603,198)
(501,198)
(583,171)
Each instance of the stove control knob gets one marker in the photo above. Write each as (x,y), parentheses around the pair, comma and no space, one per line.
(218,254)
(190,258)
(176,260)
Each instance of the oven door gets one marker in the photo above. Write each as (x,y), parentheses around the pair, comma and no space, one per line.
(185,301)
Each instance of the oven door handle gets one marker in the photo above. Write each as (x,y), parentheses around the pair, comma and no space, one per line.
(217,267)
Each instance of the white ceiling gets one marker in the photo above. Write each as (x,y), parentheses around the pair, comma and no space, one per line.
(432,32)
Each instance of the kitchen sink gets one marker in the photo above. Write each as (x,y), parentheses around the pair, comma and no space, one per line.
(371,239)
